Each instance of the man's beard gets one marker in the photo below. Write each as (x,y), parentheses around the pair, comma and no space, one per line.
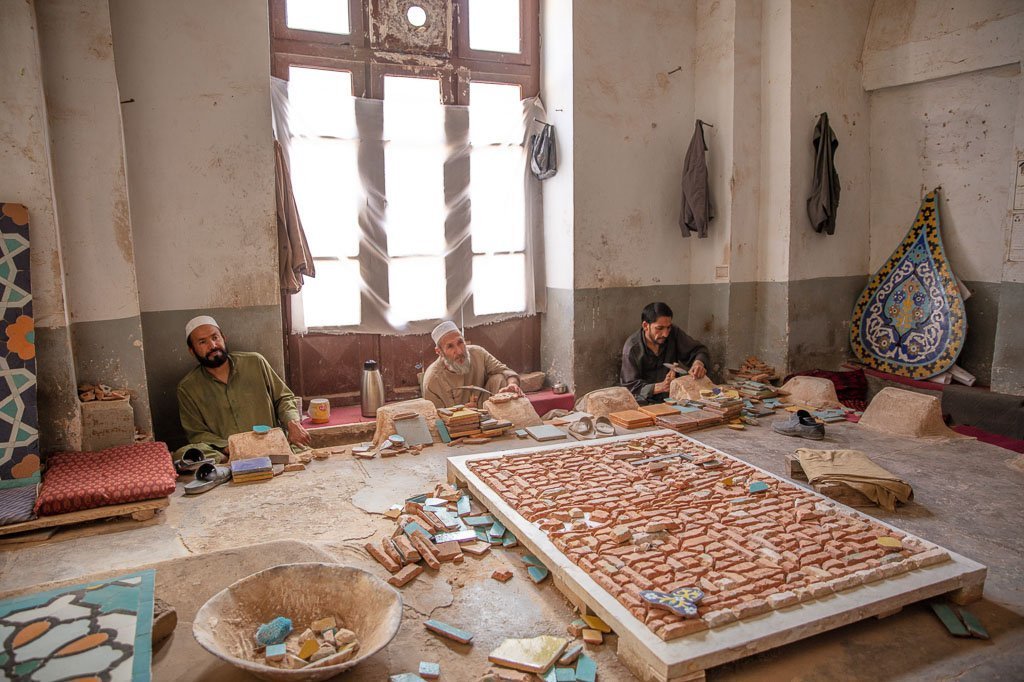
(458,367)
(215,358)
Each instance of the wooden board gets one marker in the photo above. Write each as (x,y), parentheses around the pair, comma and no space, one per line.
(652,659)
(141,511)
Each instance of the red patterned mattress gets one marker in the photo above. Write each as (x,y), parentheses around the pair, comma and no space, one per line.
(83,480)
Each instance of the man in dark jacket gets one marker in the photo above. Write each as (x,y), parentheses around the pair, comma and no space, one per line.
(658,342)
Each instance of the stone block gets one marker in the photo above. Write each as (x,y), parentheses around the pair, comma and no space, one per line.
(106,423)
(531,381)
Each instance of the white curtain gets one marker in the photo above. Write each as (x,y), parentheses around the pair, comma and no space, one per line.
(397,263)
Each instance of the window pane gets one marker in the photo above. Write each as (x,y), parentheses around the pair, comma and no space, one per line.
(320,103)
(417,289)
(415,214)
(331,299)
(494,25)
(325,16)
(496,182)
(499,284)
(495,113)
(412,109)
(327,190)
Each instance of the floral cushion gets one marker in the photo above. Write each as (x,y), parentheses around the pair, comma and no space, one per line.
(83,480)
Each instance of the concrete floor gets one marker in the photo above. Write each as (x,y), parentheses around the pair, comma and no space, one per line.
(965,499)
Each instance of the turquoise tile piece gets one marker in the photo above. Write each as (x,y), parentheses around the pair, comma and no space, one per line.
(406,677)
(509,540)
(484,520)
(757,487)
(586,669)
(482,535)
(428,669)
(462,506)
(497,530)
(449,631)
(537,573)
(565,675)
(531,560)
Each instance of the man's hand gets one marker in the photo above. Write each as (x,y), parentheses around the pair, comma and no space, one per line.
(697,370)
(298,435)
(514,389)
(663,386)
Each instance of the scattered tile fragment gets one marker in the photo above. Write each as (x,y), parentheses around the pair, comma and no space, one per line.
(276,652)
(575,628)
(586,669)
(497,530)
(949,619)
(449,631)
(532,655)
(502,576)
(476,548)
(570,655)
(591,636)
(757,487)
(890,543)
(405,677)
(596,623)
(308,648)
(484,520)
(429,670)
(405,575)
(537,573)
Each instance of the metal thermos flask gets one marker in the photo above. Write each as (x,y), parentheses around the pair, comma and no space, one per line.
(371,389)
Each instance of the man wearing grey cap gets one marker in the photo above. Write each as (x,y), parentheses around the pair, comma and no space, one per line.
(459,365)
(229,393)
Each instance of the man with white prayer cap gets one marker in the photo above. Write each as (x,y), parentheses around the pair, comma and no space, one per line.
(230,392)
(459,365)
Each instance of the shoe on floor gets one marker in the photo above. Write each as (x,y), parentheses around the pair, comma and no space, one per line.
(208,476)
(800,424)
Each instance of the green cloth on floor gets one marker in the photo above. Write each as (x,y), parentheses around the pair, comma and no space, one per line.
(856,470)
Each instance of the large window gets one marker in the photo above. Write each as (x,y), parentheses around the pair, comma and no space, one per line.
(441,247)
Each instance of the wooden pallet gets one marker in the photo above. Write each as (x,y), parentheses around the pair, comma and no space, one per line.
(652,659)
(140,511)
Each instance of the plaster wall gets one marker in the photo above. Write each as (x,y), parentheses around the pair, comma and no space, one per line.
(956,132)
(557,48)
(28,179)
(775,214)
(911,41)
(827,78)
(84,119)
(633,121)
(557,357)
(200,153)
(714,95)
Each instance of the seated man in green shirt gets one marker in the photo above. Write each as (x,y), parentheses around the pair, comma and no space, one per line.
(229,393)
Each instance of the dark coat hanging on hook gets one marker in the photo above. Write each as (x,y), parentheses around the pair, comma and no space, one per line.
(695,212)
(824,199)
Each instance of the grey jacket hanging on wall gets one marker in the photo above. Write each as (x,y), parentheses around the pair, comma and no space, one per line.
(824,199)
(695,212)
(543,154)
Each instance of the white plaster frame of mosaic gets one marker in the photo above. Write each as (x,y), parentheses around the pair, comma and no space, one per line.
(652,659)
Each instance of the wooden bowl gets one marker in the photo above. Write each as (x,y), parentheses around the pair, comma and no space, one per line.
(226,624)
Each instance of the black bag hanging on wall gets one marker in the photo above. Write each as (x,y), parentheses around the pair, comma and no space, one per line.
(824,200)
(543,154)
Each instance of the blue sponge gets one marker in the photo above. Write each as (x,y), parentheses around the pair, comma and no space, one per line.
(274,632)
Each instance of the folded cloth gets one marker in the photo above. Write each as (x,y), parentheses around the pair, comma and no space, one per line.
(856,470)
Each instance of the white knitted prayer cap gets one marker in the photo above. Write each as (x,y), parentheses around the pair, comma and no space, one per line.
(199,321)
(440,330)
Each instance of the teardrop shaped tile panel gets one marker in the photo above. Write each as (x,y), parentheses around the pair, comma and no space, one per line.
(910,319)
